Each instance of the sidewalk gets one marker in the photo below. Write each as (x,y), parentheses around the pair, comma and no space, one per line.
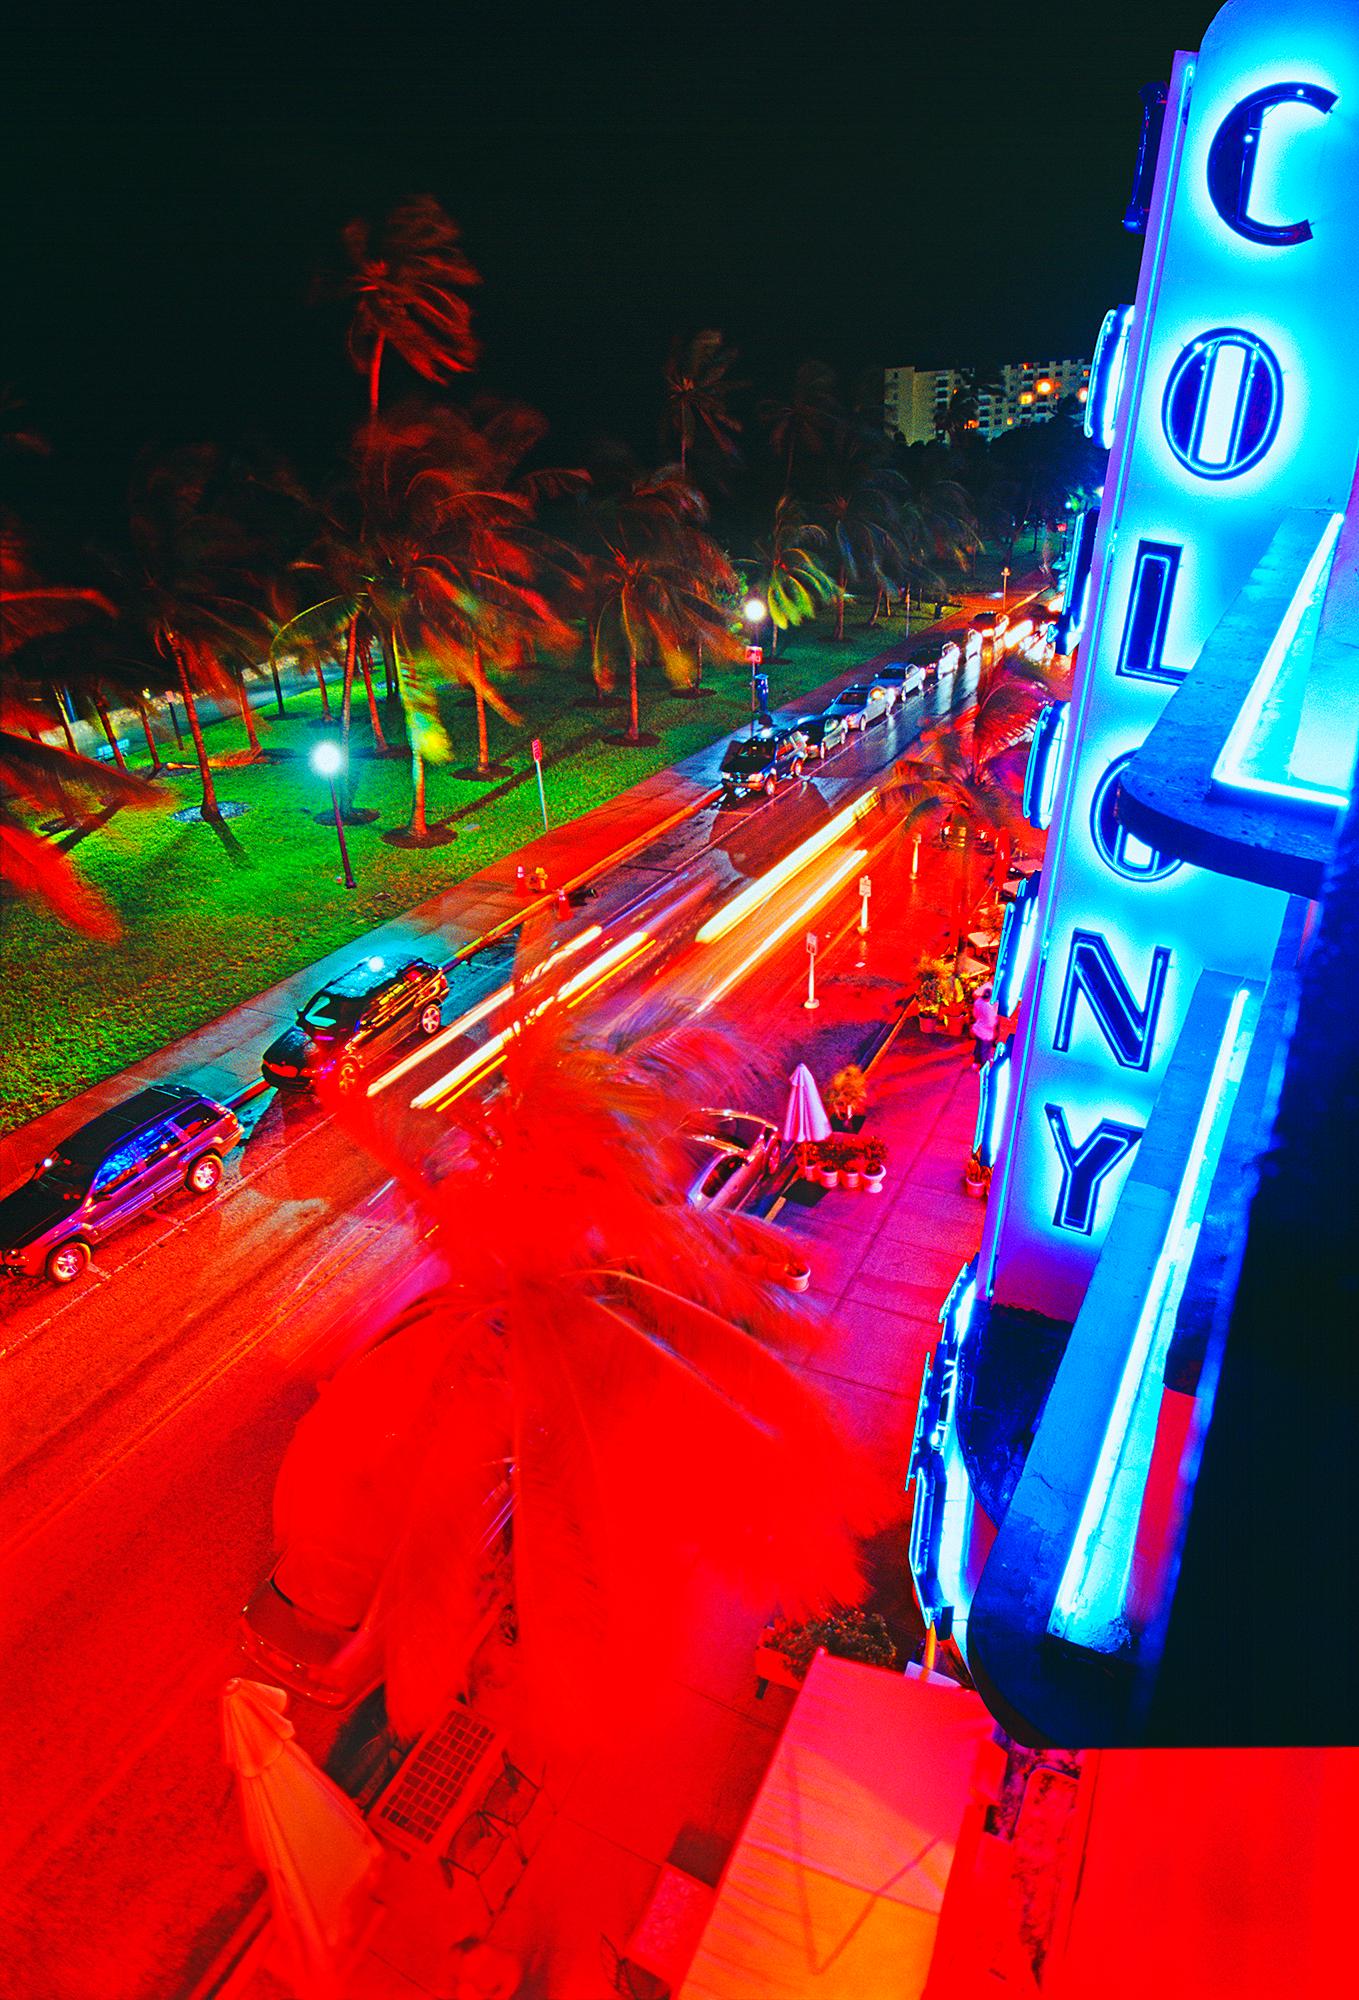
(595,1841)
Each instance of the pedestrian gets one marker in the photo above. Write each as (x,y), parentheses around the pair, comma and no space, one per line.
(985,1023)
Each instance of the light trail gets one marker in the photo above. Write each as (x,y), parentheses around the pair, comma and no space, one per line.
(844,867)
(483,1060)
(763,888)
(480,1012)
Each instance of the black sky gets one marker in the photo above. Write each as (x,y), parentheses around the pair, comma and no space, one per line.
(912,184)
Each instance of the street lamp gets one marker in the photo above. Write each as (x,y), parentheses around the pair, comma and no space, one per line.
(754,611)
(327,759)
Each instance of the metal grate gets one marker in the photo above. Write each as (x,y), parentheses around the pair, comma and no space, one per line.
(434,1780)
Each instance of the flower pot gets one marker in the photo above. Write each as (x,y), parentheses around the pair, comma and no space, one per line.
(976,1184)
(797,1277)
(850,1177)
(873,1179)
(827,1177)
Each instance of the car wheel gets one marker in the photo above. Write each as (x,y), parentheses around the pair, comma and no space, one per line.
(821,753)
(771,785)
(67,1262)
(798,767)
(431,1018)
(204,1174)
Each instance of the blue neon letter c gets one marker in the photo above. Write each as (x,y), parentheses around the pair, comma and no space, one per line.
(1232,157)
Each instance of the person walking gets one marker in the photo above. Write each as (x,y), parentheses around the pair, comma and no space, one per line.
(985,1024)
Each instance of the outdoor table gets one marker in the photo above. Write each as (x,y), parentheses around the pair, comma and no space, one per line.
(447,1774)
(667,1933)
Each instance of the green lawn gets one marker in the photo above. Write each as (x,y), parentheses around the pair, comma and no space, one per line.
(202,933)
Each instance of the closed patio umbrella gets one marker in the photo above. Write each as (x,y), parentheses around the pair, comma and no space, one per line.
(309,1839)
(805,1116)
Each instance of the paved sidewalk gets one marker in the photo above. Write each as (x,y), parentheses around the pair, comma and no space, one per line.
(596,1839)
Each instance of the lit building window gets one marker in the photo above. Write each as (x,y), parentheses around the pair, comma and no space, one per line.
(1026,395)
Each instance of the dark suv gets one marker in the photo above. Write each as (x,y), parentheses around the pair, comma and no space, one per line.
(756,763)
(122,1162)
(356,1022)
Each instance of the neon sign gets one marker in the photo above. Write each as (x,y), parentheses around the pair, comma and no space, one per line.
(1093,974)
(1234,155)
(1120,850)
(1223,403)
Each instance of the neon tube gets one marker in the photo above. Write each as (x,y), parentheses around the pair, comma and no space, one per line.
(762,889)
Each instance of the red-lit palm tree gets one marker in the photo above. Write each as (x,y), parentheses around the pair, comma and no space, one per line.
(611,1358)
(698,391)
(658,587)
(407,283)
(34,775)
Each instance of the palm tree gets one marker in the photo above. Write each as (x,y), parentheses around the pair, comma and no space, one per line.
(697,392)
(861,510)
(657,586)
(590,1361)
(808,419)
(33,773)
(407,287)
(788,574)
(191,585)
(970,769)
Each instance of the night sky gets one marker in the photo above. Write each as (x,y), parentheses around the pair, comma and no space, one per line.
(912,184)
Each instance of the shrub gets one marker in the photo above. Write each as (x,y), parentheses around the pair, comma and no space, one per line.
(847,1092)
(874,1155)
(849,1635)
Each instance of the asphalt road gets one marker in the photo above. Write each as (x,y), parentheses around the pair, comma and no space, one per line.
(147,1409)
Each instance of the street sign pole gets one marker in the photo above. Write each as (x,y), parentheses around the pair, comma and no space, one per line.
(538,767)
(812,943)
(755,658)
(865,891)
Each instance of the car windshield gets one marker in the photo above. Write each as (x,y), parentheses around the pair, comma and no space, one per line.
(328,1013)
(855,694)
(68,1172)
(746,757)
(323,1588)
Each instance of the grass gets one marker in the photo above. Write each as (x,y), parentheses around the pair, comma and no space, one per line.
(201,933)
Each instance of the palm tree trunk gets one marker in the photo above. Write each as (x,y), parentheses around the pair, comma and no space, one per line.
(375,720)
(347,689)
(151,749)
(54,696)
(209,807)
(248,717)
(841,587)
(375,374)
(102,710)
(483,741)
(325,692)
(698,664)
(278,687)
(419,825)
(634,730)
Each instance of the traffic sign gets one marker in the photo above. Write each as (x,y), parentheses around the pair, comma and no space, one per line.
(755,655)
(813,942)
(537,749)
(865,886)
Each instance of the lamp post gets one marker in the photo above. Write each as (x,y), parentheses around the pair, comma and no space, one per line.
(327,759)
(754,611)
(1004,585)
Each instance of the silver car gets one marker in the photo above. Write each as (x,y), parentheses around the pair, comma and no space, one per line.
(864,703)
(729,1153)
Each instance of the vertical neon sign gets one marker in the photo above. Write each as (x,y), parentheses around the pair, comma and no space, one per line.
(1237,397)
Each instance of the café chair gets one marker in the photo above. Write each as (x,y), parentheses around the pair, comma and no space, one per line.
(473,1850)
(510,1800)
(629,1981)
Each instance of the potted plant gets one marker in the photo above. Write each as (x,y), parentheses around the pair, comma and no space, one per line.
(793,1644)
(850,1160)
(847,1094)
(827,1170)
(873,1164)
(805,1153)
(976,1175)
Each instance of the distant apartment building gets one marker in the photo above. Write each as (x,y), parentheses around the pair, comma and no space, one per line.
(916,400)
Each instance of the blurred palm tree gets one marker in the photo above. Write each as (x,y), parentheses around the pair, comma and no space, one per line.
(33,773)
(786,571)
(658,587)
(698,389)
(971,769)
(616,1360)
(861,508)
(436,553)
(407,286)
(808,419)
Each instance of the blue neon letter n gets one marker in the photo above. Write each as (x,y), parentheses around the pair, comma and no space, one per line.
(1129,1030)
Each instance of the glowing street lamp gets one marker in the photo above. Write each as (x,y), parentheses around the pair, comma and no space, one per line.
(755,611)
(327,759)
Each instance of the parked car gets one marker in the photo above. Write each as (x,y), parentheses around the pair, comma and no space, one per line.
(728,1152)
(823,733)
(757,763)
(863,704)
(356,1022)
(122,1162)
(907,677)
(317,1623)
